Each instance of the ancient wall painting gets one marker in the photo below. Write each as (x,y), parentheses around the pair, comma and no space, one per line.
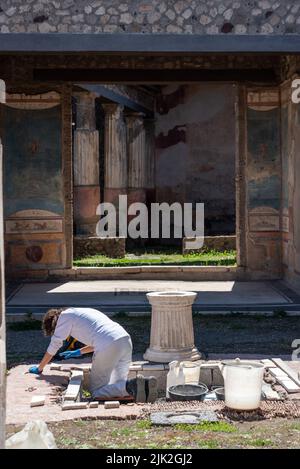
(31,126)
(34,221)
(32,166)
(263,174)
(264,219)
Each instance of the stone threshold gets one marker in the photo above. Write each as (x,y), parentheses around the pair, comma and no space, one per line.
(148,272)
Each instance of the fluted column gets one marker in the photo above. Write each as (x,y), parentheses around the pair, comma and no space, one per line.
(86,166)
(136,150)
(2,303)
(150,153)
(115,180)
(172,331)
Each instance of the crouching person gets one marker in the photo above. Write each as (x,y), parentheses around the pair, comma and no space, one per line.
(112,352)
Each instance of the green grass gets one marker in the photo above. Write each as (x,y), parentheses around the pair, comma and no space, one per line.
(259,443)
(208,444)
(164,257)
(295,426)
(223,427)
(144,424)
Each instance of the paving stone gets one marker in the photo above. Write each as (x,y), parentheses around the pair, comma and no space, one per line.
(73,389)
(93,404)
(77,374)
(111,404)
(37,401)
(19,412)
(54,366)
(187,417)
(74,405)
(269,393)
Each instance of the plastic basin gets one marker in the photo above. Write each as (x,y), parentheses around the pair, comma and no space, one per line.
(188,392)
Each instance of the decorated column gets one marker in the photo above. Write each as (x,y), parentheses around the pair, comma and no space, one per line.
(2,304)
(86,166)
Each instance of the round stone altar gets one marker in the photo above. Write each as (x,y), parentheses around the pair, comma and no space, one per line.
(172,330)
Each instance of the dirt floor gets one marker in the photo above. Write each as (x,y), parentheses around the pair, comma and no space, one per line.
(213,334)
(84,434)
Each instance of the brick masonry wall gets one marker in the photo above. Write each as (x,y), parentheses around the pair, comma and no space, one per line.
(150,16)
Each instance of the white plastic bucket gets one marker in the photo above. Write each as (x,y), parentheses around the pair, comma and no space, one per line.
(191,371)
(243,384)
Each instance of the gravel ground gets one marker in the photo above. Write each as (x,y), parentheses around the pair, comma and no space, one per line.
(213,334)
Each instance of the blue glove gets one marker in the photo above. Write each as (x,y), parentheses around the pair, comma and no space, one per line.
(35,370)
(70,354)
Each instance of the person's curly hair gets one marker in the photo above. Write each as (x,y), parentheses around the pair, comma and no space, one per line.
(50,320)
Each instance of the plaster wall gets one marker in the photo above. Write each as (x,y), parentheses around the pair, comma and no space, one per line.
(195,150)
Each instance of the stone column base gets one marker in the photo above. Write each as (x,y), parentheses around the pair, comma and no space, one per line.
(86,201)
(166,356)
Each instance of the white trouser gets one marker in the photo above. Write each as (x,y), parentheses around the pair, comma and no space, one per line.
(110,369)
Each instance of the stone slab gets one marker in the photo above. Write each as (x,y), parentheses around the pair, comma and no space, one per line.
(269,393)
(37,401)
(93,405)
(74,405)
(111,404)
(55,366)
(74,387)
(185,417)
(284,367)
(283,379)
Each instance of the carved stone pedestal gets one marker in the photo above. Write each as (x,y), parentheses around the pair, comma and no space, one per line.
(172,331)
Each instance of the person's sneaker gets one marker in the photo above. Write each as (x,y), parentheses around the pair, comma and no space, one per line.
(136,388)
(151,389)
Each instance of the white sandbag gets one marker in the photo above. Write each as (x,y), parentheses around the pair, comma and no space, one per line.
(35,435)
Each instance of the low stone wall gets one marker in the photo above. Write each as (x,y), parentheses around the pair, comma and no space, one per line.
(217,243)
(90,246)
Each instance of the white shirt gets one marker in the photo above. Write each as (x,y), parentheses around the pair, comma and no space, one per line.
(89,326)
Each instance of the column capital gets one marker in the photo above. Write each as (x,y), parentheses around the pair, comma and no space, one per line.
(85,110)
(113,110)
(132,117)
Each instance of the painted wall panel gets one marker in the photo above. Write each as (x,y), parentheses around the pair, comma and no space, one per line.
(195,150)
(32,166)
